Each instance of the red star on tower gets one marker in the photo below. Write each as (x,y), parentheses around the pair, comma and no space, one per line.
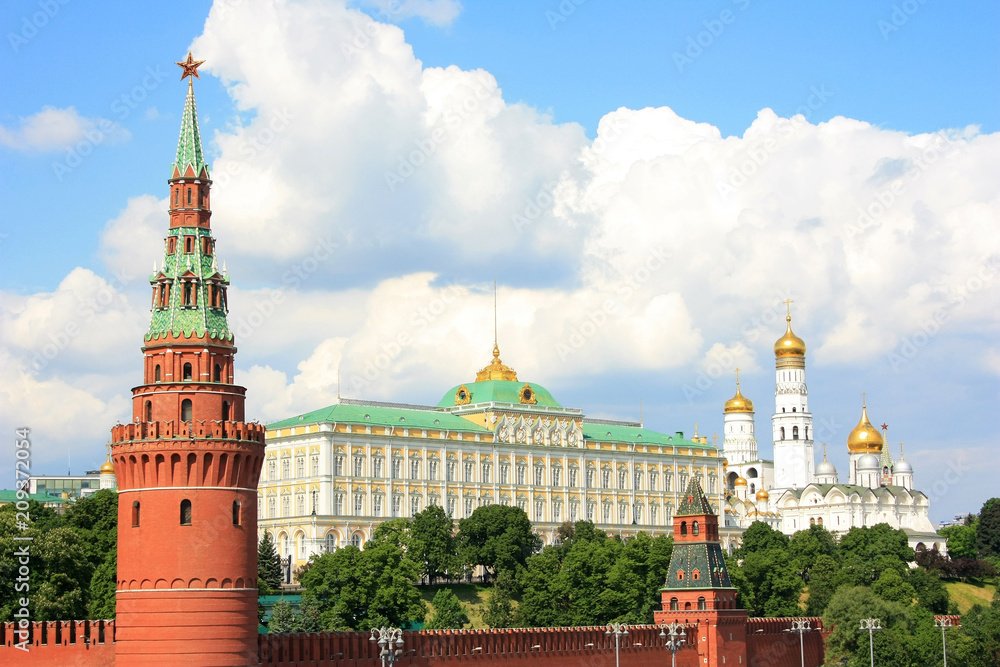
(190,67)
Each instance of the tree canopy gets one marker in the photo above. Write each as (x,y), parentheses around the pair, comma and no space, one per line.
(497,537)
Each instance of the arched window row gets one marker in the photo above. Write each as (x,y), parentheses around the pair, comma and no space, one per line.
(188,367)
(191,469)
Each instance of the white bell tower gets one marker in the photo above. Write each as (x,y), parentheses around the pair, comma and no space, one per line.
(794,457)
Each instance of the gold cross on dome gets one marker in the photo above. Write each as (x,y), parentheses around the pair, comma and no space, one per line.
(788,306)
(190,67)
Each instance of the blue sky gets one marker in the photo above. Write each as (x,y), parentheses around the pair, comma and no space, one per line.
(875,83)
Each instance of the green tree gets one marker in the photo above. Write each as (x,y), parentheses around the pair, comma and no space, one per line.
(977,642)
(541,605)
(892,587)
(962,540)
(448,611)
(988,529)
(776,586)
(806,546)
(905,641)
(359,590)
(867,552)
(433,543)
(61,573)
(499,611)
(283,619)
(268,566)
(760,537)
(930,591)
(310,619)
(497,537)
(102,589)
(825,578)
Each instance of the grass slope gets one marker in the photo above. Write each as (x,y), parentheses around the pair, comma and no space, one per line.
(967,595)
(472,597)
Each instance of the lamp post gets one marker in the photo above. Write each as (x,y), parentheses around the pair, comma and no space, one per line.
(618,630)
(674,639)
(943,622)
(872,625)
(801,626)
(390,643)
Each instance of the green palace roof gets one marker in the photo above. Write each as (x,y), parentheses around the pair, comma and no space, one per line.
(382,416)
(606,432)
(499,391)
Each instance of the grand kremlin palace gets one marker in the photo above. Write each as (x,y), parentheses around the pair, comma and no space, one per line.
(332,475)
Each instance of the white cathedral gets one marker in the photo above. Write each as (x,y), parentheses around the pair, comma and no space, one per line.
(792,492)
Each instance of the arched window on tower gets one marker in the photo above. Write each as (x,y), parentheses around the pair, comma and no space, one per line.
(795,433)
(187,372)
(237,519)
(189,196)
(217,374)
(694,528)
(684,527)
(782,436)
(225,411)
(148,412)
(673,604)
(186,410)
(185,512)
(135,514)
(806,435)
(177,196)
(701,604)
(156,373)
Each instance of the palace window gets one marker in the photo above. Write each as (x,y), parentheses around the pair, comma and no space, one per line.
(591,507)
(359,465)
(338,504)
(607,512)
(286,506)
(606,478)
(522,472)
(300,505)
(557,511)
(467,470)
(300,466)
(572,477)
(414,505)
(556,475)
(397,467)
(397,504)
(622,513)
(504,472)
(314,464)
(574,512)
(359,504)
(185,512)
(590,478)
(637,480)
(377,467)
(338,465)
(522,504)
(539,475)
(539,509)
(469,507)
(684,480)
(623,479)
(432,470)
(653,511)
(668,481)
(271,507)
(653,480)
(377,505)
(285,469)
(451,471)
(415,469)
(637,513)
(487,472)
(331,542)
(451,507)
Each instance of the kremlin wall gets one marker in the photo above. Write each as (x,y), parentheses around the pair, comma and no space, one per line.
(188,468)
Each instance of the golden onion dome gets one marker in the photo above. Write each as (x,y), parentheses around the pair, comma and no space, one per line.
(740,482)
(789,345)
(865,438)
(763,495)
(739,402)
(108,467)
(725,463)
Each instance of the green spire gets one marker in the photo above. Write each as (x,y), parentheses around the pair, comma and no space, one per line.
(886,461)
(189,152)
(694,500)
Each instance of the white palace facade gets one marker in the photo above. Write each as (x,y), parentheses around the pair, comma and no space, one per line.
(332,475)
(792,492)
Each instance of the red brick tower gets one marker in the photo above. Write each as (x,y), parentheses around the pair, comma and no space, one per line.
(188,464)
(698,590)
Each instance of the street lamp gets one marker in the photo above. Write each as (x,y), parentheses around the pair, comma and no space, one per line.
(390,643)
(618,630)
(872,625)
(675,641)
(943,622)
(801,626)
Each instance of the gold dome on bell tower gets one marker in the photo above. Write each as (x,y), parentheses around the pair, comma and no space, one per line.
(789,345)
(739,402)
